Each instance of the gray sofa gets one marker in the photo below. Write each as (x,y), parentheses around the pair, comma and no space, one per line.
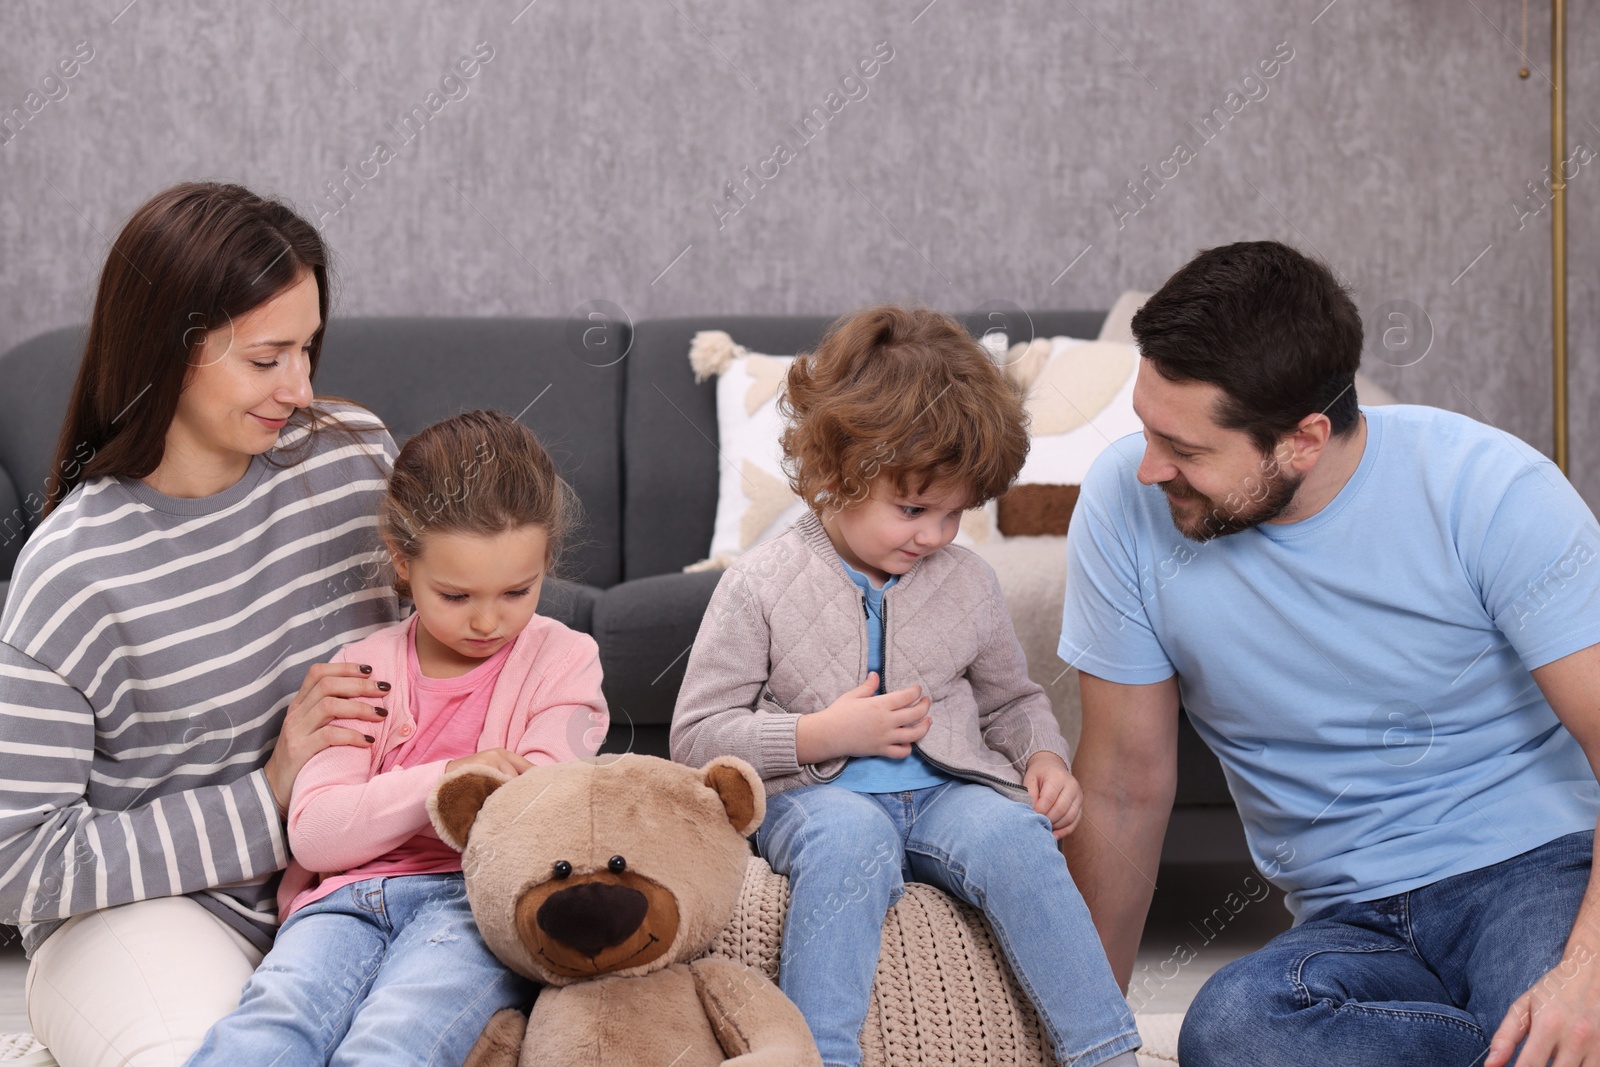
(621,414)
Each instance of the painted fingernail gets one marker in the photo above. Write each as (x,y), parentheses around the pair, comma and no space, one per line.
(382,712)
(366,668)
(370,738)
(383,687)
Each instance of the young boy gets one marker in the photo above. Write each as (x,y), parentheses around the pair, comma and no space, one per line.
(957,776)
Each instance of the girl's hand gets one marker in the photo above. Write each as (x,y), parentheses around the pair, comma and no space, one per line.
(328,693)
(861,724)
(501,759)
(1056,793)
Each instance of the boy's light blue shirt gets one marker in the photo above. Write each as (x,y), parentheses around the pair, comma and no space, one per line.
(1363,674)
(880,774)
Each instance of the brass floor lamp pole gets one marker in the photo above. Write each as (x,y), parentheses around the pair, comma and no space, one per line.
(1558,221)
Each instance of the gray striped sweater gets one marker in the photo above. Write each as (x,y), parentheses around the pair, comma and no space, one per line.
(148,650)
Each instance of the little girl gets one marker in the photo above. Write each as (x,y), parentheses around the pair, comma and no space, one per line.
(378,960)
(958,775)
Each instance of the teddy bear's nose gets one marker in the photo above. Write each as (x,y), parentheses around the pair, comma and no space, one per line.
(593,916)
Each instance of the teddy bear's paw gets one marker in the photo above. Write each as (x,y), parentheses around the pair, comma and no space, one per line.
(500,1044)
(756,1025)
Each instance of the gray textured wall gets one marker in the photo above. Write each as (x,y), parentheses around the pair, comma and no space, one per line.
(587,158)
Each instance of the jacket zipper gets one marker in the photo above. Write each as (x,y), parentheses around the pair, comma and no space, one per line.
(883,611)
(883,687)
(970,775)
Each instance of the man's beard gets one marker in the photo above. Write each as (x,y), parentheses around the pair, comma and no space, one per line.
(1202,519)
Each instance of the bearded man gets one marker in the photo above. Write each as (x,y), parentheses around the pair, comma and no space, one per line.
(1385,622)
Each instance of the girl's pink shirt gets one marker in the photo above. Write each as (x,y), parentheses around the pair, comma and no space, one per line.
(355,810)
(450,714)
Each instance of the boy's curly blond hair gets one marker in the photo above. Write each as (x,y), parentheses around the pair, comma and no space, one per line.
(904,393)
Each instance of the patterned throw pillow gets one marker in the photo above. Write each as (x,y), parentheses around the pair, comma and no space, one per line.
(1080,399)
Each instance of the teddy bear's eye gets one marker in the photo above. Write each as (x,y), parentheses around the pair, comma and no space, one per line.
(617,865)
(563,869)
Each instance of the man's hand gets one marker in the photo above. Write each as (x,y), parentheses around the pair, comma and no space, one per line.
(1056,794)
(861,724)
(1559,1017)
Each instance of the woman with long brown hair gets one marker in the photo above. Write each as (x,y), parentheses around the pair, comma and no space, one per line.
(210,540)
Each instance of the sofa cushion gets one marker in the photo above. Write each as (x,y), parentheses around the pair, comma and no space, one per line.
(669,445)
(37,378)
(645,629)
(416,371)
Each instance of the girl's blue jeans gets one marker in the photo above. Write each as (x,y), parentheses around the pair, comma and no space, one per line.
(848,856)
(1422,977)
(383,971)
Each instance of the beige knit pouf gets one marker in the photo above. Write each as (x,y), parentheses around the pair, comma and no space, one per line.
(943,995)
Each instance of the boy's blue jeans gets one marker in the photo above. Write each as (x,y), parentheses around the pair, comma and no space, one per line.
(383,971)
(1423,977)
(848,856)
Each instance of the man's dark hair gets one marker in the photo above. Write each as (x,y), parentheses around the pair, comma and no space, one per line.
(1273,329)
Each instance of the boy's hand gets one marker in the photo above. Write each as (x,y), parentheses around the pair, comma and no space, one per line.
(501,759)
(861,724)
(1056,794)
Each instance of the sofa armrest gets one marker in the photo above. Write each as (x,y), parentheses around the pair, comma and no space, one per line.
(645,629)
(16,522)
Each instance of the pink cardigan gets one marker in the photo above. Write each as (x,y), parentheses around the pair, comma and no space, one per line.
(546,706)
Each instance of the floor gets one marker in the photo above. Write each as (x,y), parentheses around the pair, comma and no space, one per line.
(1202,916)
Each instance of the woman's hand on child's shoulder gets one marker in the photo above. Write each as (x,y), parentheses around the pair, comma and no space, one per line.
(1055,792)
(862,724)
(500,759)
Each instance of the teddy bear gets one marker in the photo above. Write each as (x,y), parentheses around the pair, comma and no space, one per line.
(605,880)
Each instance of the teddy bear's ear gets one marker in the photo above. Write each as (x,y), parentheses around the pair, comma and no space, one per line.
(455,802)
(739,786)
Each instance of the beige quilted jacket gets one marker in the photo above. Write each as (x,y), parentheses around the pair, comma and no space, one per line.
(785,635)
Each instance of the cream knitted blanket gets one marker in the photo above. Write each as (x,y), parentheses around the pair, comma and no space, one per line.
(943,994)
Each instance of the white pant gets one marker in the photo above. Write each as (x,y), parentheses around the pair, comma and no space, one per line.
(138,984)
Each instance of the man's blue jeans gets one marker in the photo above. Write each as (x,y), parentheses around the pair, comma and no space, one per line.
(1425,977)
(383,971)
(848,856)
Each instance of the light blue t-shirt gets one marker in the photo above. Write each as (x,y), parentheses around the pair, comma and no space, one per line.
(1363,674)
(881,774)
